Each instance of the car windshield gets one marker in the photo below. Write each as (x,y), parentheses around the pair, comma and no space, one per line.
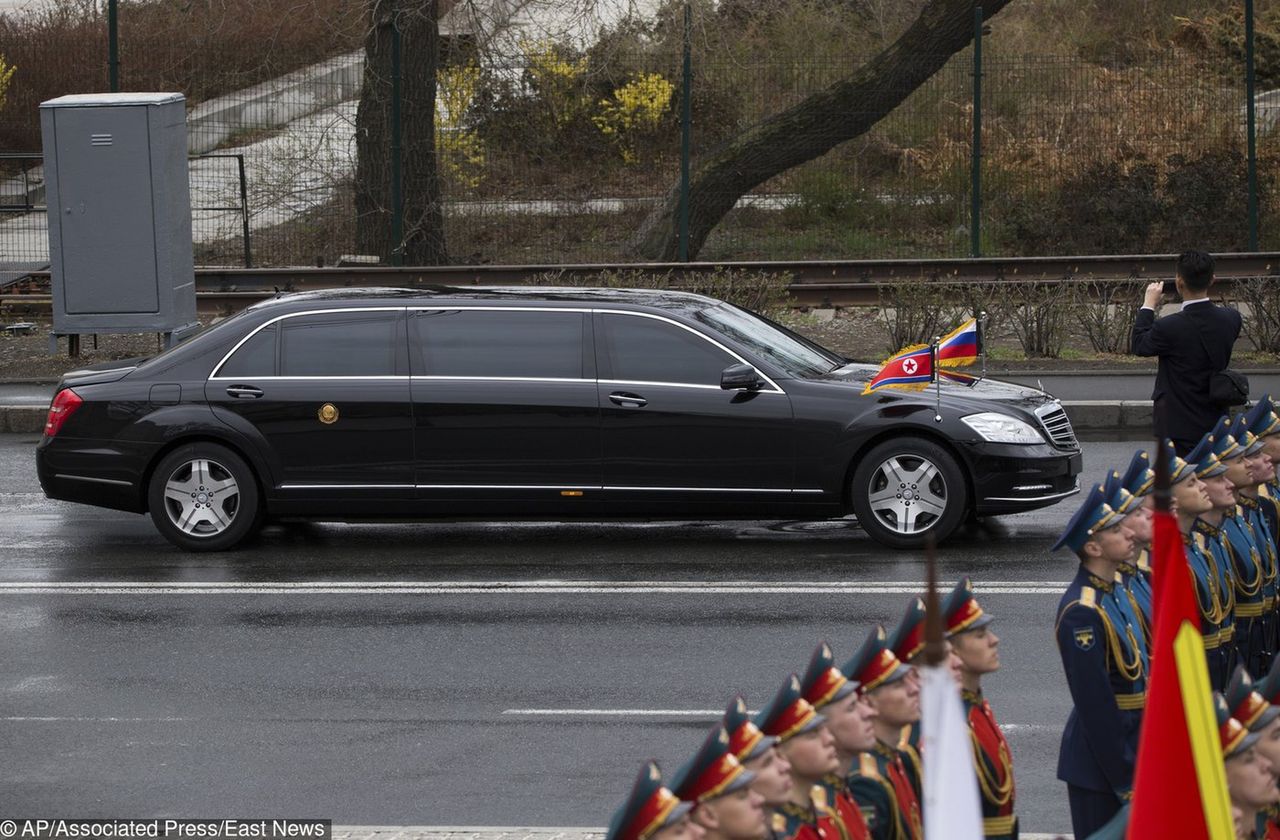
(798,357)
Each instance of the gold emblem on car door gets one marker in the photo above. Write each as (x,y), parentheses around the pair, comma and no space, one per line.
(328,413)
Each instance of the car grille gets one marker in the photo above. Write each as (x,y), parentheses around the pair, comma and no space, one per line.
(1054,419)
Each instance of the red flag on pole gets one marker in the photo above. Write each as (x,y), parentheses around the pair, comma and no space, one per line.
(1180,785)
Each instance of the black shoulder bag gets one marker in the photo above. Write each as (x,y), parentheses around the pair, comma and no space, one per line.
(1227,387)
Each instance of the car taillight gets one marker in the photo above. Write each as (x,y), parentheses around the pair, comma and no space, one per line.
(64,405)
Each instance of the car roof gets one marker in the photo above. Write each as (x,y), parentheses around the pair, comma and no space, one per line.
(515,295)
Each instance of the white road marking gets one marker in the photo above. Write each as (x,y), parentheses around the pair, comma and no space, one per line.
(516,587)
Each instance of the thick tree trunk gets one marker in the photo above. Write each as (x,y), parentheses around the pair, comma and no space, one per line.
(811,128)
(423,241)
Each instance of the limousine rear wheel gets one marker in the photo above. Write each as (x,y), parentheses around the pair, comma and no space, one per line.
(906,489)
(203,497)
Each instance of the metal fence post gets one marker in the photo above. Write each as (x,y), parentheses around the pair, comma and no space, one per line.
(397,194)
(975,187)
(686,130)
(1251,125)
(113,45)
(244,212)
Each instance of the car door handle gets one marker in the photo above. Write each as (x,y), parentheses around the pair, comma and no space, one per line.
(244,392)
(627,400)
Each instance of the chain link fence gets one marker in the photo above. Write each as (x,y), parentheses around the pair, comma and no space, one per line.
(549,156)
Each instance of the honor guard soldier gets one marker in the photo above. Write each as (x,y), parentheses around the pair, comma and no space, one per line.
(907,642)
(1228,537)
(1132,589)
(718,787)
(759,753)
(977,647)
(1250,782)
(849,719)
(881,780)
(1104,671)
(1139,480)
(1249,477)
(1269,689)
(807,745)
(1191,501)
(652,812)
(1262,719)
(1265,426)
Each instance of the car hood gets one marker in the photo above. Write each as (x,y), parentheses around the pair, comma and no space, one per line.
(978,395)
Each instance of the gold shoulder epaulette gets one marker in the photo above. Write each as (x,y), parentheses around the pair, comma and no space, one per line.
(1199,538)
(867,766)
(1088,596)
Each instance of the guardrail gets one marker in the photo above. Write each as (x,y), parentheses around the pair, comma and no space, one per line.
(833,283)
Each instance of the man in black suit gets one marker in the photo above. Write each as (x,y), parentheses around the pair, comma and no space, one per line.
(1192,344)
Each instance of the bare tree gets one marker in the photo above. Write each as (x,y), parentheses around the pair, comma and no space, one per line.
(423,240)
(841,112)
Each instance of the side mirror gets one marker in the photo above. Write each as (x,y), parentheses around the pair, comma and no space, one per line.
(739,378)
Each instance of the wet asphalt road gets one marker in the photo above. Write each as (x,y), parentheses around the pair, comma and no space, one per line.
(497,706)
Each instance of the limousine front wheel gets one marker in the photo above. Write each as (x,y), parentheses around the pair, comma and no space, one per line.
(907,489)
(203,497)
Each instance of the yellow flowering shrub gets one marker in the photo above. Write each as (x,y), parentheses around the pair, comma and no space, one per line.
(6,75)
(634,112)
(460,149)
(557,80)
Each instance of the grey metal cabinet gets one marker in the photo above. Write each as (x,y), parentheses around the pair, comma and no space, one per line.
(119,214)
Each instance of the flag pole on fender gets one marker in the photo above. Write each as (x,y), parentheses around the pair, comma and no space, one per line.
(937,380)
(982,341)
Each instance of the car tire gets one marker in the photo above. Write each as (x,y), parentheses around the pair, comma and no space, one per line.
(204,497)
(900,512)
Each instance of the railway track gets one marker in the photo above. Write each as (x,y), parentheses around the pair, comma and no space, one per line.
(814,283)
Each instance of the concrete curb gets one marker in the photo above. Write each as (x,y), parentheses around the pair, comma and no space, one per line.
(1129,419)
(483,832)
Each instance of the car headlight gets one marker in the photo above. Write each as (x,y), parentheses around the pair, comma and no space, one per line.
(1001,428)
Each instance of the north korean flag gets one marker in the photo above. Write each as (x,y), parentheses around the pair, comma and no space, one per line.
(912,367)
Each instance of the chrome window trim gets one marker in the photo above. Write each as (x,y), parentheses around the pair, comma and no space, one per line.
(303,378)
(347,486)
(710,489)
(218,367)
(505,379)
(581,310)
(706,338)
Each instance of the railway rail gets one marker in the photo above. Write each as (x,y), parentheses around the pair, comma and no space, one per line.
(814,283)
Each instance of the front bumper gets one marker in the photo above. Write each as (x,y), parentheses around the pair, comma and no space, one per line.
(1009,478)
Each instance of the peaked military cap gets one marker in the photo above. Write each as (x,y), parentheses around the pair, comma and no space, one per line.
(1250,444)
(875,664)
(961,610)
(1179,470)
(822,682)
(789,714)
(1225,445)
(1139,479)
(1232,734)
(1204,460)
(907,639)
(1093,516)
(713,771)
(1247,705)
(746,741)
(1113,492)
(1262,418)
(1269,686)
(649,808)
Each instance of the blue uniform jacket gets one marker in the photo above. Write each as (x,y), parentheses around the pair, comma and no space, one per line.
(1108,684)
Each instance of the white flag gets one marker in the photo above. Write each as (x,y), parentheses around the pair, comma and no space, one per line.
(952,810)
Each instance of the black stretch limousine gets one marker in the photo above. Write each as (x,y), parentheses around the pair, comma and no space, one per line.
(535,402)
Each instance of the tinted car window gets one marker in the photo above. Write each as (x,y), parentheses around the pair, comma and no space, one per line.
(499,343)
(256,357)
(341,344)
(648,350)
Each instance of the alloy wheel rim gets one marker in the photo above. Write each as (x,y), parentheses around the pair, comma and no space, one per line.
(907,494)
(201,498)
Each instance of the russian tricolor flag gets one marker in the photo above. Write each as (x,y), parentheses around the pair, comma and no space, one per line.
(962,346)
(912,367)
